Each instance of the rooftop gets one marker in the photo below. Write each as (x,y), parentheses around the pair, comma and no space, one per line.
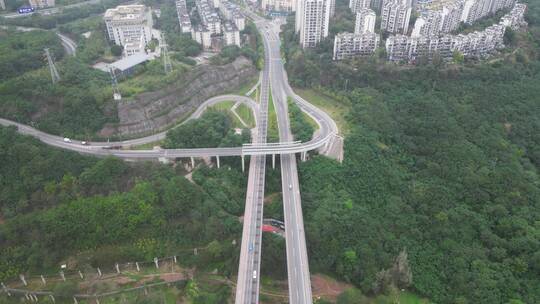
(126,12)
(129,62)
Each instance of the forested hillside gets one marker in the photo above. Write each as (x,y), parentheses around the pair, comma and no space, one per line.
(56,205)
(442,163)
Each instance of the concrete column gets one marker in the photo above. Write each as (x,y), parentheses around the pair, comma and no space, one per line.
(62,276)
(243,165)
(174,258)
(23,280)
(97,301)
(195,251)
(137,265)
(75,300)
(217,160)
(52,298)
(5,289)
(43,280)
(192,163)
(99,272)
(81,275)
(117,267)
(273,161)
(303,156)
(156,262)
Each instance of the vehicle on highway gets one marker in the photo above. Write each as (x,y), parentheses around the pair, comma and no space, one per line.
(290,186)
(254,274)
(250,247)
(112,147)
(84,143)
(25,10)
(67,140)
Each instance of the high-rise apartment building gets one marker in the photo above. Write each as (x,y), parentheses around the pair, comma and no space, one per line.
(478,44)
(279,5)
(208,15)
(356,5)
(202,35)
(365,21)
(231,12)
(312,20)
(231,35)
(428,24)
(183,16)
(129,26)
(451,16)
(477,9)
(395,16)
(347,45)
(364,40)
(41,3)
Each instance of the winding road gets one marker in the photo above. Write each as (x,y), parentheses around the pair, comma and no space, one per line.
(274,79)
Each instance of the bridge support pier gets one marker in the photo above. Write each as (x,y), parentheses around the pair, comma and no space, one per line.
(192,163)
(243,165)
(273,161)
(217,161)
(303,156)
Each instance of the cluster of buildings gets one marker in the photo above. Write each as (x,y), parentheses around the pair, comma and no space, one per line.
(447,18)
(313,17)
(129,26)
(364,40)
(430,36)
(279,5)
(395,16)
(220,22)
(183,16)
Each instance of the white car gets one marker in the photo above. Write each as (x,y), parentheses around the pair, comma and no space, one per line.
(67,140)
(290,186)
(254,274)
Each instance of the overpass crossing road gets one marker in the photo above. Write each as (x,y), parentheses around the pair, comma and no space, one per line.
(273,77)
(296,250)
(247,287)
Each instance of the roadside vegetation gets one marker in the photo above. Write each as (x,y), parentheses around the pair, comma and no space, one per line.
(57,206)
(272,131)
(51,21)
(302,126)
(213,129)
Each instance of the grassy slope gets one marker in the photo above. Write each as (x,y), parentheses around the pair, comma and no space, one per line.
(336,109)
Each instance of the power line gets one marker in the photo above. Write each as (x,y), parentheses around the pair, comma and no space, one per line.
(167,66)
(114,83)
(52,68)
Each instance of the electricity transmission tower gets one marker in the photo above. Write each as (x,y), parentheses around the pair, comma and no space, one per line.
(114,83)
(52,68)
(165,54)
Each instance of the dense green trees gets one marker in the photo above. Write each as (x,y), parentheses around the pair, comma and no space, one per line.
(300,126)
(56,203)
(75,106)
(67,15)
(21,52)
(213,129)
(440,161)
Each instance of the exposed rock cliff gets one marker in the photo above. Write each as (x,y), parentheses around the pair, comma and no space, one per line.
(155,111)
